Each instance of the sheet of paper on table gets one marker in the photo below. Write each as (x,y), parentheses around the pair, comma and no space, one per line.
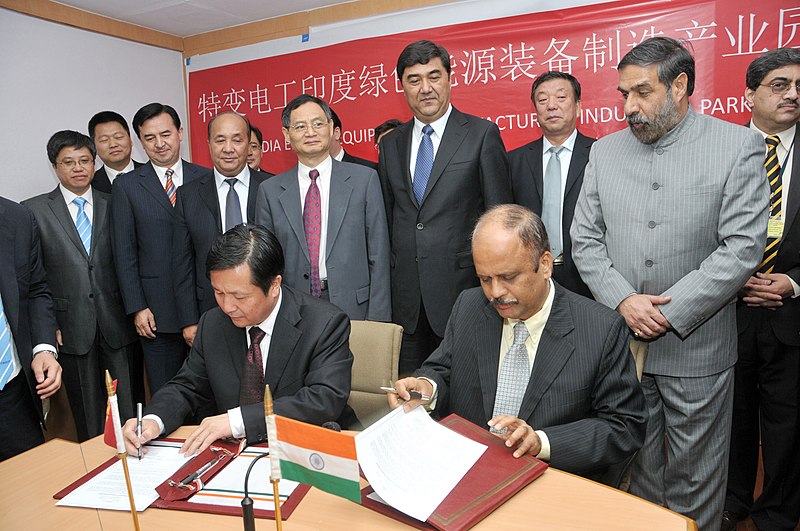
(413,462)
(227,487)
(107,490)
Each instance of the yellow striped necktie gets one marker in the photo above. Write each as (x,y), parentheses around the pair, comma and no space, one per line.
(773,167)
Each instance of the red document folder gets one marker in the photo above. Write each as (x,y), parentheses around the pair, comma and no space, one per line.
(492,480)
(182,505)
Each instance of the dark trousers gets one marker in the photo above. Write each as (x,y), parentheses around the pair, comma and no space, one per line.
(20,429)
(84,379)
(163,357)
(417,346)
(765,403)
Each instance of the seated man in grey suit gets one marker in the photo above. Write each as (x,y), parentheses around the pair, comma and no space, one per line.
(329,217)
(546,369)
(261,333)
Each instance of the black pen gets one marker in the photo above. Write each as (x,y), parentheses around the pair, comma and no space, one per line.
(413,394)
(139,426)
(200,471)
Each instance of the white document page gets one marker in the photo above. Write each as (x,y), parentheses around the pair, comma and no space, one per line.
(227,487)
(413,462)
(107,490)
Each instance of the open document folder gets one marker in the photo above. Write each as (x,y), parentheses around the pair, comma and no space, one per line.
(412,462)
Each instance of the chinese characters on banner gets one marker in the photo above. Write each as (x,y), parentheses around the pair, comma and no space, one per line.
(493,65)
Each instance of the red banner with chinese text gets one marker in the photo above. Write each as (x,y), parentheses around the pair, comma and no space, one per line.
(493,65)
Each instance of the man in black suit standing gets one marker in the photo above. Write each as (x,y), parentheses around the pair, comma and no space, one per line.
(29,371)
(255,152)
(338,152)
(438,172)
(94,334)
(261,333)
(766,403)
(142,220)
(206,208)
(547,174)
(112,139)
(545,369)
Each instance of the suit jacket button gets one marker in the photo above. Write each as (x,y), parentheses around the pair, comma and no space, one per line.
(651,224)
(648,263)
(656,186)
(660,151)
(420,226)
(91,296)
(305,276)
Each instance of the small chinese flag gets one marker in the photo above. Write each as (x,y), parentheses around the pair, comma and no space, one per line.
(108,432)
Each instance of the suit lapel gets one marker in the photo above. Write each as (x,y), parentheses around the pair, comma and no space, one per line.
(552,354)
(284,338)
(794,190)
(404,137)
(290,202)
(534,159)
(488,331)
(61,213)
(208,194)
(580,156)
(236,343)
(148,179)
(98,220)
(340,191)
(454,134)
(252,195)
(9,288)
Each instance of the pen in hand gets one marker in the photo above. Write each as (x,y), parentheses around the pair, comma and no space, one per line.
(139,426)
(415,395)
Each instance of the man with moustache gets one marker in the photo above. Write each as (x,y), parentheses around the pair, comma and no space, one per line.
(94,334)
(142,220)
(766,400)
(547,174)
(207,207)
(544,368)
(112,139)
(439,172)
(670,224)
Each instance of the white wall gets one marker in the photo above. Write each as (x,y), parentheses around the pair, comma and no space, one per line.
(55,77)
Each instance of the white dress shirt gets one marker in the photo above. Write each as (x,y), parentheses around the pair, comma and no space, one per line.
(565,157)
(784,151)
(88,207)
(177,175)
(112,173)
(436,138)
(242,187)
(324,184)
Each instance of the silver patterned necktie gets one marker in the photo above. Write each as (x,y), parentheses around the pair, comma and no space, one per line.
(233,209)
(514,375)
(551,201)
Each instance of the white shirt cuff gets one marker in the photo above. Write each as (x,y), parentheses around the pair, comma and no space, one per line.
(544,453)
(158,421)
(795,287)
(236,421)
(432,402)
(44,347)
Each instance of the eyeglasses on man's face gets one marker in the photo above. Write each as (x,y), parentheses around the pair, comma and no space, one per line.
(782,87)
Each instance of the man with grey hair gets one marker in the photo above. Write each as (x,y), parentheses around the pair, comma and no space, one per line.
(767,376)
(329,217)
(670,224)
(548,370)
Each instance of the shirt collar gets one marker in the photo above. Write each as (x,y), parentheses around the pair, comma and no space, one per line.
(112,173)
(438,125)
(161,171)
(268,325)
(243,177)
(324,168)
(569,143)
(69,197)
(786,136)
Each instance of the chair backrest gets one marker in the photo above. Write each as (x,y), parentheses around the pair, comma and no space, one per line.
(376,352)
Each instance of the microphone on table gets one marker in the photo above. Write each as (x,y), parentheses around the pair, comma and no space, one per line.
(331,425)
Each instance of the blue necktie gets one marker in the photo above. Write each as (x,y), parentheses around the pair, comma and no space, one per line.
(6,356)
(83,225)
(422,171)
(551,201)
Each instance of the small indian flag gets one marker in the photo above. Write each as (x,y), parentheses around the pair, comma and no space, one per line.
(317,456)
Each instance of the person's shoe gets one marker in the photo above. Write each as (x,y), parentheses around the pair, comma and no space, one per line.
(729,520)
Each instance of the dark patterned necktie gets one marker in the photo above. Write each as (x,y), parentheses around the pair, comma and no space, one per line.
(251,390)
(312,225)
(773,167)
